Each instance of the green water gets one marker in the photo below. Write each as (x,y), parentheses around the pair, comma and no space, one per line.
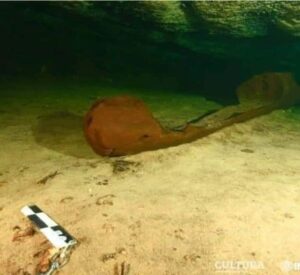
(59,58)
(171,211)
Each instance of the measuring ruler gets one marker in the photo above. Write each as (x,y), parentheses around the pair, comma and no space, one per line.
(55,233)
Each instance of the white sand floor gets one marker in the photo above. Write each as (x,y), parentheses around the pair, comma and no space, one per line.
(232,196)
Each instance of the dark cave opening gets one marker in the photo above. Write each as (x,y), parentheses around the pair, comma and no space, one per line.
(47,40)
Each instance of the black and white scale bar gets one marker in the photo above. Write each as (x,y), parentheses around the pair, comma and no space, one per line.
(56,234)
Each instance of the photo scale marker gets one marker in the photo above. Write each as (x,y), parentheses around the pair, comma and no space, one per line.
(55,233)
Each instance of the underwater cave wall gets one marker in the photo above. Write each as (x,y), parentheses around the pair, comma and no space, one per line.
(176,45)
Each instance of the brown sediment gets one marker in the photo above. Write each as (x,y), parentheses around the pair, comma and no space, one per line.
(124,125)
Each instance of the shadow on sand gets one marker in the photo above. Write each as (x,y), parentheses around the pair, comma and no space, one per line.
(62,132)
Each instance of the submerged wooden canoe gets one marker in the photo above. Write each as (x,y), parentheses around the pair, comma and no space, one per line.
(124,125)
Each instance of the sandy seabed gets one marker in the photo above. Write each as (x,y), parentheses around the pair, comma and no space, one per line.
(232,196)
